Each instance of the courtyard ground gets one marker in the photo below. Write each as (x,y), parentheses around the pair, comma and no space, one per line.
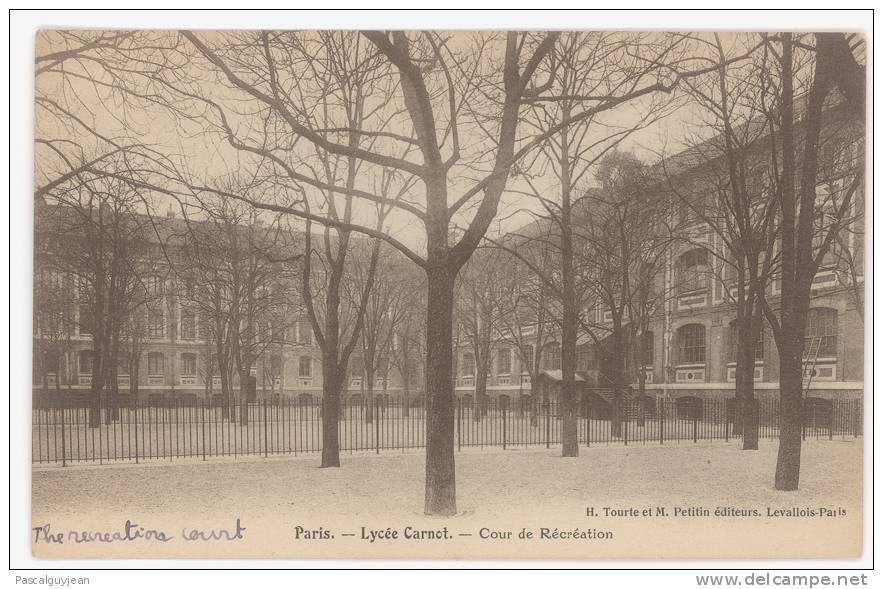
(496,490)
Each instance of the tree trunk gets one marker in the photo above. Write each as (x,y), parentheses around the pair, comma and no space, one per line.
(569,442)
(226,391)
(369,401)
(113,385)
(331,385)
(97,387)
(406,394)
(479,403)
(797,260)
(790,417)
(244,388)
(440,480)
(618,380)
(134,370)
(746,404)
(534,402)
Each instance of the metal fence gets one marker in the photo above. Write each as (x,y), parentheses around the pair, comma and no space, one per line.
(85,432)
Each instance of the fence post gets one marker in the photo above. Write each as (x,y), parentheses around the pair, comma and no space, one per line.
(803,421)
(63,441)
(266,445)
(203,431)
(588,420)
(504,425)
(459,423)
(100,444)
(548,409)
(855,418)
(831,421)
(625,427)
(696,424)
(375,424)
(136,430)
(661,414)
(727,423)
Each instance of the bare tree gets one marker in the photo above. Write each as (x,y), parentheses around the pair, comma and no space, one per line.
(97,219)
(527,314)
(727,190)
(616,69)
(479,311)
(387,309)
(625,239)
(806,235)
(408,354)
(423,95)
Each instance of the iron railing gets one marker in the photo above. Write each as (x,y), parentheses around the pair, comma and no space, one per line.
(82,431)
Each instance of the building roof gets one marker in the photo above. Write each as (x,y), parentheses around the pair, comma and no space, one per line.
(558,377)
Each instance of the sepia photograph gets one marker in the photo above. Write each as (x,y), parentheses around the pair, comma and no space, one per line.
(456,295)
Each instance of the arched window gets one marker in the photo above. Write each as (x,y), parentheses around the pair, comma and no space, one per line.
(691,344)
(821,331)
(693,270)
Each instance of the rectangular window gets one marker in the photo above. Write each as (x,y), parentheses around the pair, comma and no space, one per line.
(693,271)
(188,364)
(188,324)
(692,344)
(155,364)
(276,365)
(734,344)
(468,365)
(582,357)
(821,333)
(647,348)
(552,357)
(504,361)
(527,363)
(86,320)
(155,323)
(305,366)
(84,362)
(304,333)
(123,363)
(154,285)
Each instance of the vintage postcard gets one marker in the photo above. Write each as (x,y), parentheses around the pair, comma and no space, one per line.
(338,294)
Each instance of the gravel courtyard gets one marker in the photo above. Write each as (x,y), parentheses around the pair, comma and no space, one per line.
(503,491)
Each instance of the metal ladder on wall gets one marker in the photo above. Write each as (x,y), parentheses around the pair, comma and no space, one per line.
(809,362)
(809,370)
